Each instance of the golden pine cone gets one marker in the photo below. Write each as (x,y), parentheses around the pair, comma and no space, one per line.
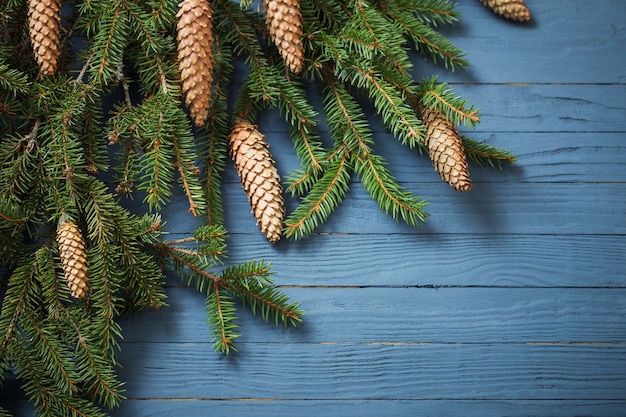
(259,178)
(284,20)
(446,150)
(195,56)
(44,29)
(73,257)
(510,9)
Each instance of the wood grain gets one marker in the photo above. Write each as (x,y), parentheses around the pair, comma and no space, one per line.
(408,315)
(427,371)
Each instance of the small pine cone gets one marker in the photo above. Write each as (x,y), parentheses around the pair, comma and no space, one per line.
(259,178)
(44,28)
(446,150)
(73,257)
(195,56)
(509,9)
(284,20)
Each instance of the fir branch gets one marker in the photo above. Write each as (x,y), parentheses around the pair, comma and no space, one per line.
(302,121)
(251,283)
(108,22)
(348,124)
(486,155)
(12,80)
(271,302)
(216,149)
(221,316)
(385,190)
(160,74)
(17,300)
(325,195)
(426,40)
(102,384)
(390,104)
(188,173)
(54,357)
(439,96)
(432,12)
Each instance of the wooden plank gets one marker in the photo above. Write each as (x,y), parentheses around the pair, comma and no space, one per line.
(377,371)
(371,408)
(408,315)
(424,260)
(490,208)
(566,42)
(353,408)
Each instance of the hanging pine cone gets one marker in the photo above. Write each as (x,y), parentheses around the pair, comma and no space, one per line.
(73,257)
(509,9)
(446,150)
(195,56)
(44,28)
(284,20)
(259,178)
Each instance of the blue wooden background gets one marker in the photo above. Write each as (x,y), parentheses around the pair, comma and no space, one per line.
(511,300)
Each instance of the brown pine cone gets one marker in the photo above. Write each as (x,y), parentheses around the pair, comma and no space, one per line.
(195,56)
(284,20)
(73,257)
(259,178)
(44,29)
(509,9)
(446,150)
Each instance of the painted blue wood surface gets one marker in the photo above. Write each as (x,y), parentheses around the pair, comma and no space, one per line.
(510,300)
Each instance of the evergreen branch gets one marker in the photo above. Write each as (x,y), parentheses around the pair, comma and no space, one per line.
(324,197)
(431,12)
(486,155)
(383,34)
(17,300)
(22,171)
(52,294)
(300,181)
(216,148)
(110,25)
(428,41)
(221,318)
(54,356)
(301,117)
(399,118)
(104,385)
(243,272)
(37,384)
(186,167)
(269,300)
(12,80)
(237,27)
(349,126)
(211,241)
(385,190)
(156,49)
(439,96)
(191,268)
(323,14)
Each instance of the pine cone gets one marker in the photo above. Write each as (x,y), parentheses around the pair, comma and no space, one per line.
(284,20)
(73,257)
(259,178)
(44,28)
(446,150)
(510,9)
(195,56)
